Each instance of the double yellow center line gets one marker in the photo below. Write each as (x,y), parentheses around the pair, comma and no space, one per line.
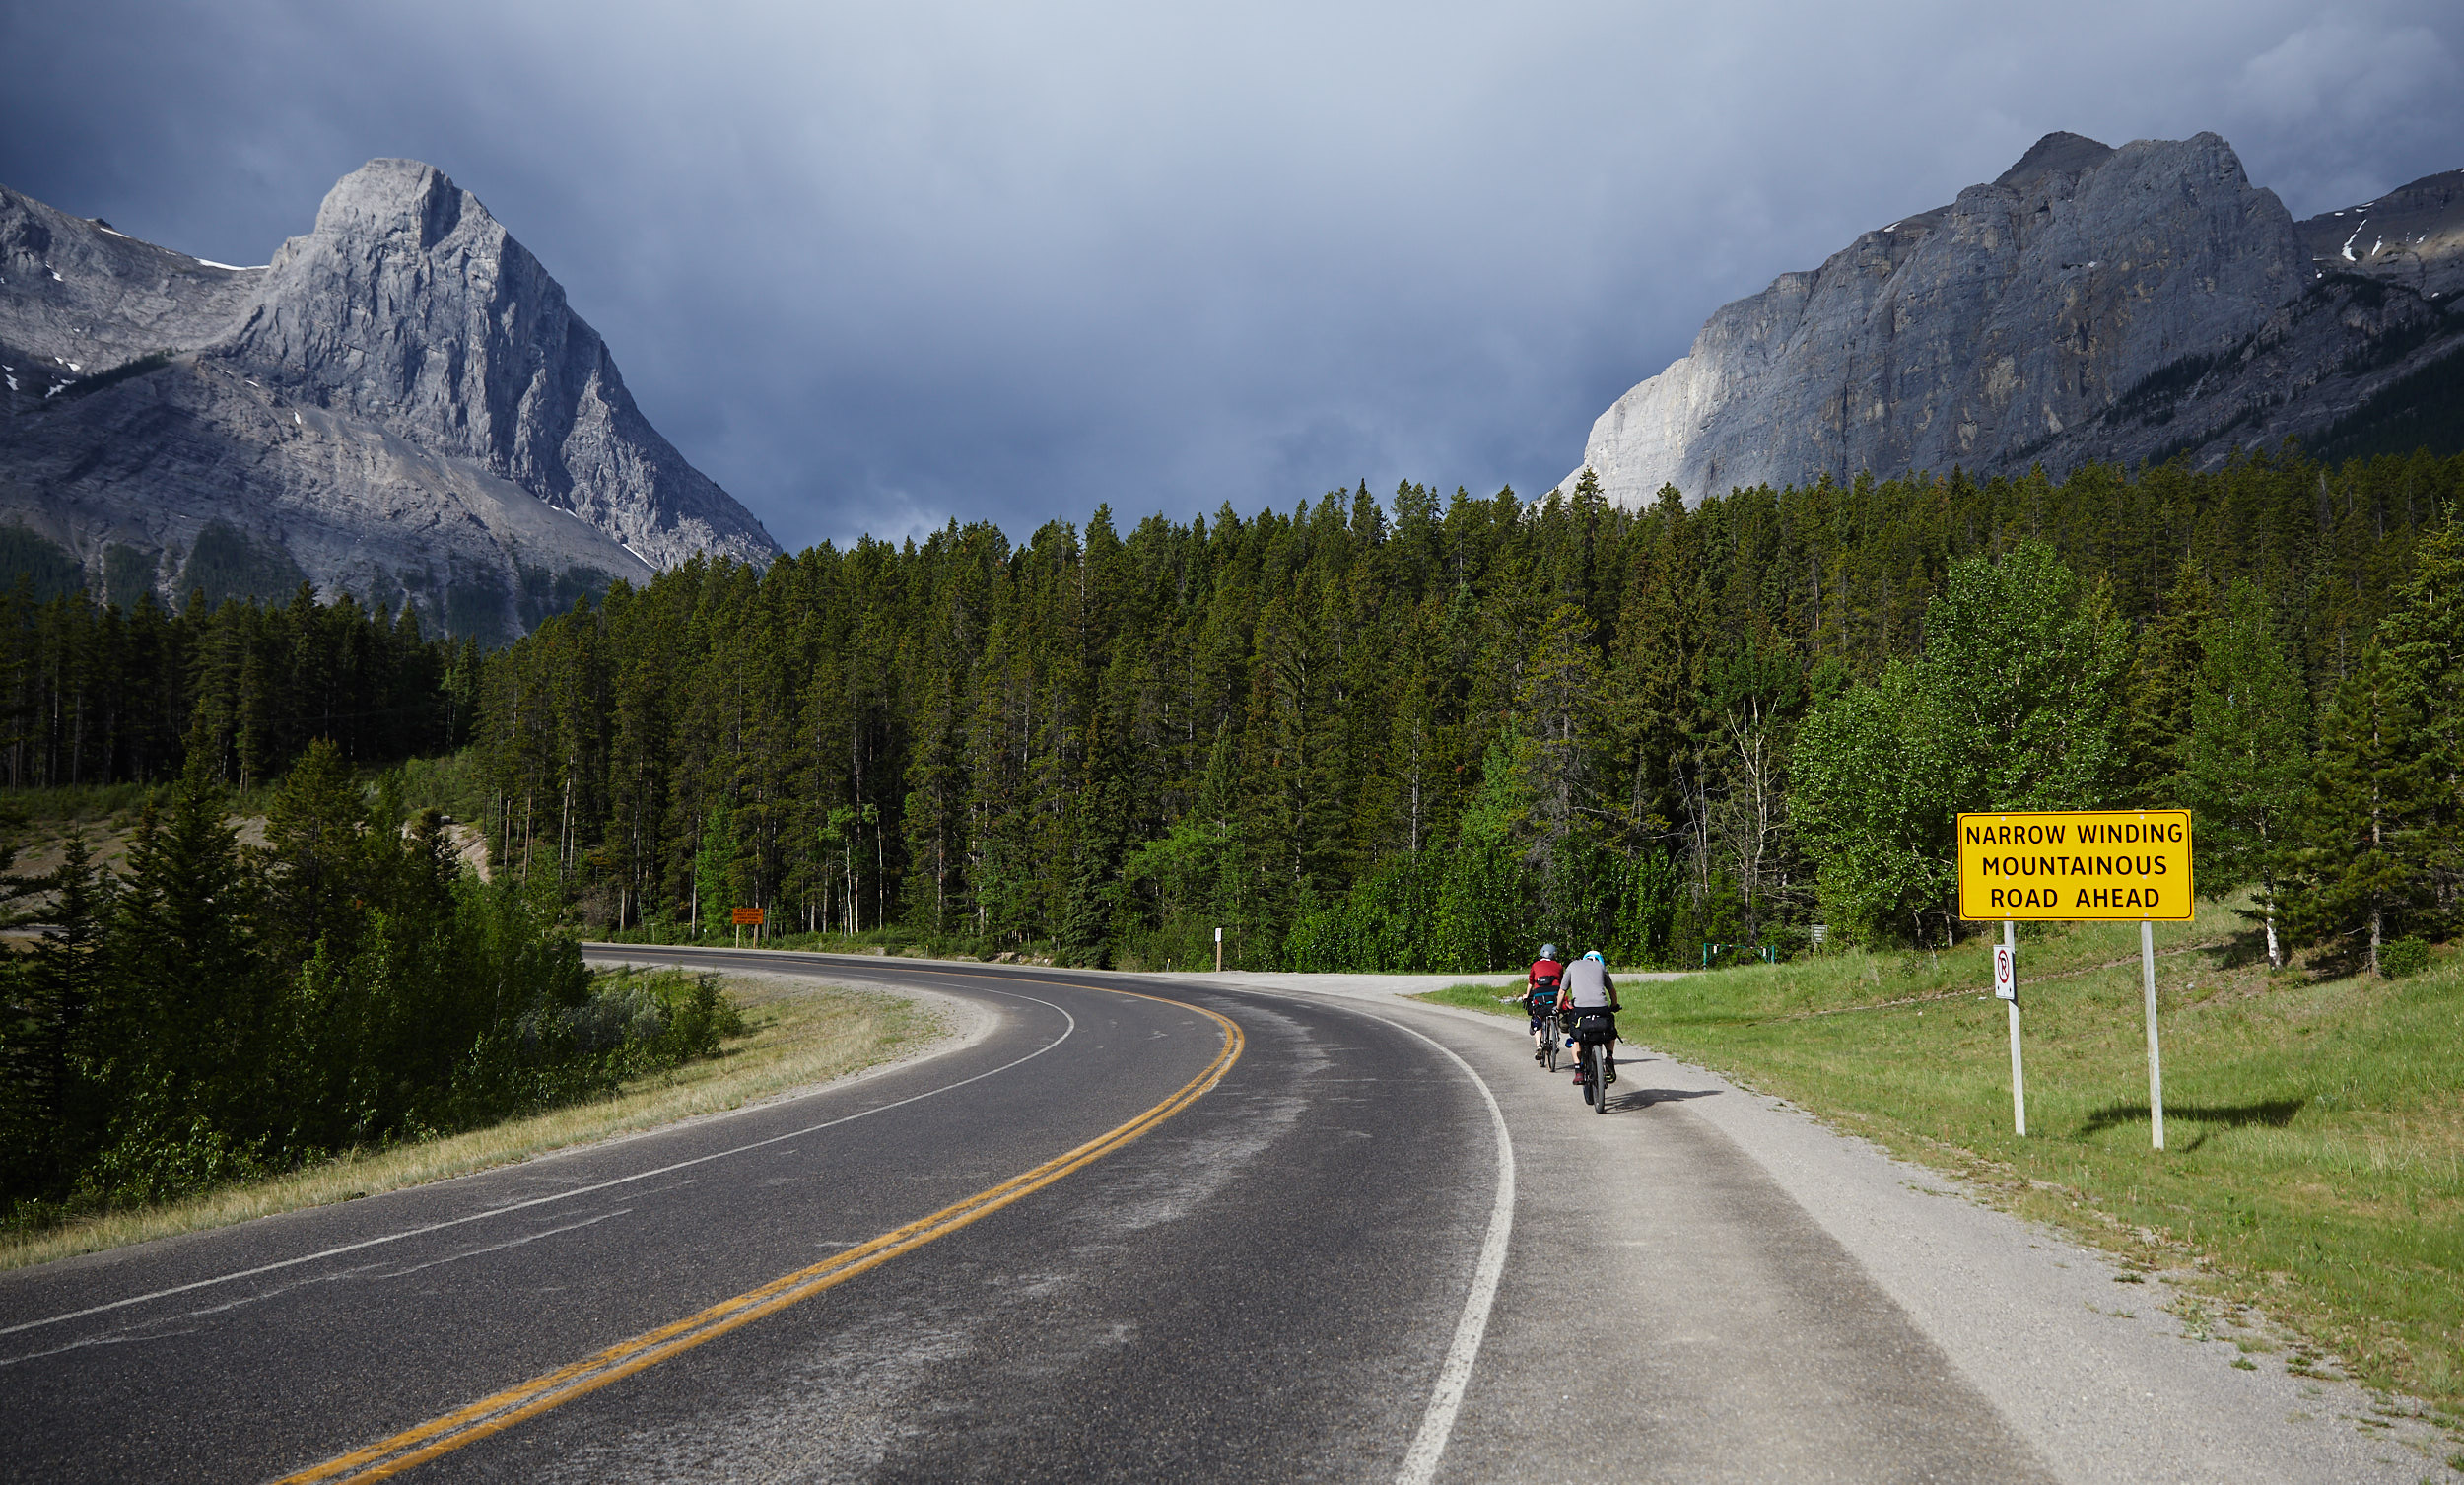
(495,1414)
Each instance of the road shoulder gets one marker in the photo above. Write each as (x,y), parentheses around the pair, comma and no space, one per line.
(2093,1364)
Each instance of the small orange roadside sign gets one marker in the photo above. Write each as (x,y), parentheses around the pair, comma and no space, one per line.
(748,917)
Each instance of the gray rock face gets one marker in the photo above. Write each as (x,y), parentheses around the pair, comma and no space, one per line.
(2091,303)
(402,405)
(77,297)
(409,307)
(195,476)
(2412,235)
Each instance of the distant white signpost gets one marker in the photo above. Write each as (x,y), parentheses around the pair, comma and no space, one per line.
(2007,986)
(2075,866)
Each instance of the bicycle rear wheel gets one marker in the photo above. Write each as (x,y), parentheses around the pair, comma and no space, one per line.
(1589,1067)
(1551,1035)
(1599,1077)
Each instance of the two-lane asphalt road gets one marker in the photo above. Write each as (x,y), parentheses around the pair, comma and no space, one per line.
(1184,1229)
(1260,1276)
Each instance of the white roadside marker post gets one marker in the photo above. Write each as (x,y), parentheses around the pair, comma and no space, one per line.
(2006,985)
(2156,1063)
(1218,951)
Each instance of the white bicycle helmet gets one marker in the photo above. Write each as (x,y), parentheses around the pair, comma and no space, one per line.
(1594,957)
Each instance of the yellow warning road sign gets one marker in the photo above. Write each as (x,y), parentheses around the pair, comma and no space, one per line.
(2071,865)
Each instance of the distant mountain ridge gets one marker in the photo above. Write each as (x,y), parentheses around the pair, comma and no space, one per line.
(401,406)
(2089,303)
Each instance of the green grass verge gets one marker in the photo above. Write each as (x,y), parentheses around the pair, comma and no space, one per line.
(2315,1166)
(1476,997)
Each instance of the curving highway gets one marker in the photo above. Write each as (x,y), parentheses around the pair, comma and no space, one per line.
(1260,1276)
(1187,1229)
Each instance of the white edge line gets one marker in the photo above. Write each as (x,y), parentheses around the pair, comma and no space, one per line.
(122,1337)
(1438,1423)
(499,1211)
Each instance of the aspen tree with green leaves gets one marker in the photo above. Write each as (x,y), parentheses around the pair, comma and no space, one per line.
(2008,707)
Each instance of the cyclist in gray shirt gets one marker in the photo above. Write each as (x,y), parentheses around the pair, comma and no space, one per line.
(1588,990)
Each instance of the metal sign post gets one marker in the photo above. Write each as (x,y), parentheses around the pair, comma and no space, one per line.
(2006,985)
(2078,866)
(1218,951)
(2156,1063)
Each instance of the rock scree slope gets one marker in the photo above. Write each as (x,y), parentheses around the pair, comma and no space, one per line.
(401,406)
(2089,303)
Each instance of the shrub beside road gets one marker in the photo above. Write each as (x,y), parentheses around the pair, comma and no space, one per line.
(796,1031)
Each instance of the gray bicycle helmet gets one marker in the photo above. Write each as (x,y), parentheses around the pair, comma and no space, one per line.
(1548,951)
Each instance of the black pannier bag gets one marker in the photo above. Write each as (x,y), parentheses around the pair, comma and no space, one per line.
(1595,1025)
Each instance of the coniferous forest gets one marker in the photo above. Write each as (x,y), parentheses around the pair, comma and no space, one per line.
(214,1009)
(1419,734)
(90,694)
(1428,732)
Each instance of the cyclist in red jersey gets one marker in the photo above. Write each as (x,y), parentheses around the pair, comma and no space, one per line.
(1540,999)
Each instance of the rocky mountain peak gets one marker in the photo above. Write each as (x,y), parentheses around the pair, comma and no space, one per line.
(413,308)
(402,406)
(384,198)
(2413,234)
(2090,303)
(2058,151)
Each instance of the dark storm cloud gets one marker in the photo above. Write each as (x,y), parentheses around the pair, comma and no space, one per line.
(875,267)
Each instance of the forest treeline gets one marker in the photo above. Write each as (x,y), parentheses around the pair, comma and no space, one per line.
(1423,733)
(1430,731)
(214,1010)
(94,694)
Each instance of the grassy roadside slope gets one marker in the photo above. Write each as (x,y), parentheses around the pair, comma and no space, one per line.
(1473,996)
(2316,1128)
(797,1033)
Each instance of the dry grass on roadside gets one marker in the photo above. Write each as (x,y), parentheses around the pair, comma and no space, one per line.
(799,1031)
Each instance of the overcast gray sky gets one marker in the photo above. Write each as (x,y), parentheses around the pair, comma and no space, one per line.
(874,266)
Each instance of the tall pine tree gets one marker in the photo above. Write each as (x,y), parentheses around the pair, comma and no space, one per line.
(2357,864)
(2245,757)
(2424,640)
